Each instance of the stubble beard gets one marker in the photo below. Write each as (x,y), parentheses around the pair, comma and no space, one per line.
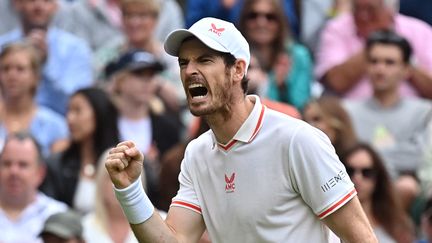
(222,100)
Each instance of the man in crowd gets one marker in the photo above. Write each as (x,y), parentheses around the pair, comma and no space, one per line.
(23,209)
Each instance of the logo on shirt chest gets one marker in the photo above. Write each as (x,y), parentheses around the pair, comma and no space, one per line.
(230,185)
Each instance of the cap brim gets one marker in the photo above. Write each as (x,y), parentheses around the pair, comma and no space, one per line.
(157,67)
(175,39)
(57,230)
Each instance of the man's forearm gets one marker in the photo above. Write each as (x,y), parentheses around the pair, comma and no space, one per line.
(422,81)
(153,230)
(343,77)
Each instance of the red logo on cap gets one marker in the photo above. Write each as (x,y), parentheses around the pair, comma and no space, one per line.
(215,30)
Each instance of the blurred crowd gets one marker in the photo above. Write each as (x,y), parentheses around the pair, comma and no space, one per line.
(79,76)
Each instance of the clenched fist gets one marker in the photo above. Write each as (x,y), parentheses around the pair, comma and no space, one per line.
(124,164)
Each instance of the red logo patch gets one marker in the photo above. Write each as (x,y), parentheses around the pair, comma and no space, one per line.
(217,31)
(230,185)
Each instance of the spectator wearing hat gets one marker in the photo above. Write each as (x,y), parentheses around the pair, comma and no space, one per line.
(142,118)
(23,209)
(64,227)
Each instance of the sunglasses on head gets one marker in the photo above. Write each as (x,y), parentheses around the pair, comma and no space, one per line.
(365,172)
(267,16)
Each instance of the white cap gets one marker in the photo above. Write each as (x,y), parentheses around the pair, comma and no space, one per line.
(217,34)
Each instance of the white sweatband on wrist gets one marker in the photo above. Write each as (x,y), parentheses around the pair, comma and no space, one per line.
(135,203)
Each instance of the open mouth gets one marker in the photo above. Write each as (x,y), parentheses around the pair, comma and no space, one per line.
(197,90)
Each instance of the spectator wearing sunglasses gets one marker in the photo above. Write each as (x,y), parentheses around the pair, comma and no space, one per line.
(377,194)
(287,63)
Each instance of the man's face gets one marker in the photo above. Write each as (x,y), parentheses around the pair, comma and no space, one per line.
(139,22)
(367,10)
(206,81)
(138,86)
(37,13)
(20,171)
(17,77)
(386,68)
(50,238)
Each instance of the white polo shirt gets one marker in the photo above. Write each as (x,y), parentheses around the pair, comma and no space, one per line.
(272,182)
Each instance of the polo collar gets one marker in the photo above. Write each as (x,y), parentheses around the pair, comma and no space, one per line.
(250,127)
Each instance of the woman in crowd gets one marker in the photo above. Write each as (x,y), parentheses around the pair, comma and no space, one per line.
(288,64)
(107,222)
(92,120)
(19,77)
(327,114)
(377,194)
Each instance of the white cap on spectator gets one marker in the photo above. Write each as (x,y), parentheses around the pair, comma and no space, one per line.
(217,34)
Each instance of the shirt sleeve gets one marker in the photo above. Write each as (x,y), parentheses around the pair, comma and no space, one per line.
(186,196)
(317,173)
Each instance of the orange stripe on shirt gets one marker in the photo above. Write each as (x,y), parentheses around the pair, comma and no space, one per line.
(337,204)
(188,205)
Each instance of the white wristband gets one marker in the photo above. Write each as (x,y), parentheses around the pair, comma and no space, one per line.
(135,203)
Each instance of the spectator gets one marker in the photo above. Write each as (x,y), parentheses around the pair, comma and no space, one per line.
(107,222)
(341,59)
(10,19)
(154,133)
(92,120)
(327,114)
(64,227)
(66,58)
(287,63)
(230,10)
(377,194)
(23,209)
(400,143)
(19,78)
(86,16)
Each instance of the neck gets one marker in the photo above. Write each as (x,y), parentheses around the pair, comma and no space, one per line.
(87,152)
(148,45)
(387,98)
(265,54)
(133,110)
(23,105)
(13,207)
(226,126)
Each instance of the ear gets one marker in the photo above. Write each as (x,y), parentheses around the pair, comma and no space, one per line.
(239,70)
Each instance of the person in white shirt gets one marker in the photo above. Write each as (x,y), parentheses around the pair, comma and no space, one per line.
(23,209)
(256,176)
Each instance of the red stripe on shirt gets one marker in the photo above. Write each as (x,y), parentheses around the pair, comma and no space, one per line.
(337,204)
(188,205)
(258,124)
(228,146)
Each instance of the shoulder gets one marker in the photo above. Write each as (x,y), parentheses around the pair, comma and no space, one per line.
(45,117)
(66,39)
(340,23)
(50,204)
(408,22)
(9,37)
(46,113)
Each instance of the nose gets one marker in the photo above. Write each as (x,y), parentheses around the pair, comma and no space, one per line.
(190,69)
